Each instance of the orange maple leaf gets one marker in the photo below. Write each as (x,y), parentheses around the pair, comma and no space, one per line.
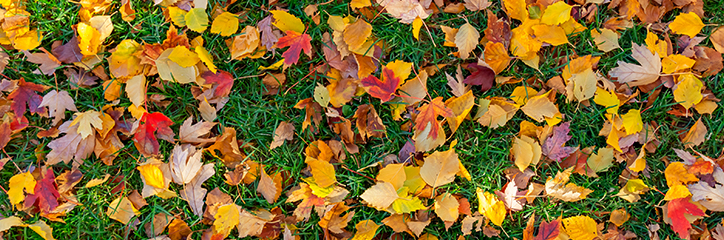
(429,113)
(296,43)
(382,89)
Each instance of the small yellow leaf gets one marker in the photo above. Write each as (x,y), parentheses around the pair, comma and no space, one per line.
(416,25)
(42,229)
(184,57)
(87,121)
(654,44)
(355,4)
(554,35)
(696,135)
(206,57)
(491,207)
(225,24)
(688,91)
(619,217)
(322,172)
(227,217)
(197,20)
(18,183)
(677,174)
(607,99)
(122,210)
(632,121)
(356,34)
(366,230)
(540,107)
(178,16)
(496,56)
(28,41)
(89,39)
(446,207)
(606,40)
(687,24)
(136,89)
(676,62)
(153,175)
(676,192)
(287,22)
(556,13)
(581,227)
(516,9)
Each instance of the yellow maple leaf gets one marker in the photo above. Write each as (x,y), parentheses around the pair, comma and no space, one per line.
(677,174)
(676,192)
(87,121)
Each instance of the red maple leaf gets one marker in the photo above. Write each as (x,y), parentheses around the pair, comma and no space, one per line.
(223,80)
(26,94)
(549,230)
(382,89)
(483,76)
(676,209)
(428,115)
(46,194)
(296,43)
(145,137)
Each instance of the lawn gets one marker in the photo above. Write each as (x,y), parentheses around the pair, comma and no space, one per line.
(140,193)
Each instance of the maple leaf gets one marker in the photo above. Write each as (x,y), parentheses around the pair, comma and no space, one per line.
(45,195)
(87,121)
(296,43)
(58,103)
(193,193)
(548,230)
(223,81)
(191,133)
(152,124)
(428,116)
(554,147)
(185,163)
(382,89)
(676,210)
(636,75)
(26,94)
(482,76)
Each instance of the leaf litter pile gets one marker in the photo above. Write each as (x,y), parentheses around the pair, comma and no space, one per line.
(356,97)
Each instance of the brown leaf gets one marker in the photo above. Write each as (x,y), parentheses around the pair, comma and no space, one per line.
(193,193)
(158,225)
(191,133)
(270,186)
(285,131)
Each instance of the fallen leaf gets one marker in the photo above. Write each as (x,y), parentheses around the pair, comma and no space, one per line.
(581,227)
(440,168)
(688,24)
(466,39)
(225,24)
(554,147)
(284,131)
(197,20)
(637,75)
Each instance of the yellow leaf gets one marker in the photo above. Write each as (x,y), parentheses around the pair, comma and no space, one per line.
(613,139)
(632,121)
(380,196)
(619,217)
(355,4)
(18,183)
(581,228)
(89,39)
(655,45)
(28,41)
(607,99)
(206,57)
(401,69)
(225,24)
(227,217)
(496,56)
(602,160)
(688,91)
(606,40)
(121,209)
(366,230)
(42,229)
(676,62)
(461,107)
(322,171)
(446,207)
(636,186)
(12,221)
(491,207)
(676,192)
(178,16)
(521,94)
(416,25)
(183,56)
(449,35)
(677,174)
(583,85)
(554,35)
(136,89)
(556,13)
(516,9)
(287,22)
(406,203)
(706,107)
(87,119)
(393,174)
(570,192)
(466,39)
(687,24)
(539,107)
(522,44)
(153,175)
(356,34)
(197,20)
(696,135)
(639,164)
(440,168)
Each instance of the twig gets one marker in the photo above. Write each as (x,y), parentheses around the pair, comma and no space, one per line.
(371,179)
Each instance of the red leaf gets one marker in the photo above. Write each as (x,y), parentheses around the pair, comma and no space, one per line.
(223,79)
(296,43)
(46,194)
(676,210)
(145,137)
(549,230)
(382,89)
(26,94)
(429,113)
(483,76)
(554,148)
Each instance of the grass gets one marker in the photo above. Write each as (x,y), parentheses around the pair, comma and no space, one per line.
(484,151)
